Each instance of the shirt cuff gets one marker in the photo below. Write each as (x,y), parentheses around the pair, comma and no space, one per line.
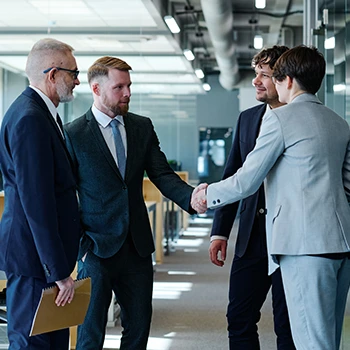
(214,238)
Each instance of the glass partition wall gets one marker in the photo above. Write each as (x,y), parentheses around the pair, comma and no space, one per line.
(334,41)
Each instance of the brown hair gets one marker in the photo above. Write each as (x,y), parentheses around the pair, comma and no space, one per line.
(304,64)
(101,67)
(268,56)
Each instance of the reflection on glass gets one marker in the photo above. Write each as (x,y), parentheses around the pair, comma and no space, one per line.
(214,146)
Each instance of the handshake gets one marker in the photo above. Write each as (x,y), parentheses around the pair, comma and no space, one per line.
(199,198)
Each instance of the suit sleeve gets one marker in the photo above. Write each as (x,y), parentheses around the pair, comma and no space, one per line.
(163,176)
(71,151)
(225,216)
(34,164)
(346,173)
(248,179)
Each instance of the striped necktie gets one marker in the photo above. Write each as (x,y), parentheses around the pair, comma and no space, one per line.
(119,146)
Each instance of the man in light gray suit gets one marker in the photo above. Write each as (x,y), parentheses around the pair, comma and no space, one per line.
(303,152)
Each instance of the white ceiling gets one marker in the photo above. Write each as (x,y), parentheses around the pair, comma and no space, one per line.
(135,31)
(130,29)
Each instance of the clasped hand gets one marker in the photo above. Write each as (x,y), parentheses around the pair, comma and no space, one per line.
(199,198)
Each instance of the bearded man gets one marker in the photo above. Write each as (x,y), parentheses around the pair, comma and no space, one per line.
(111,150)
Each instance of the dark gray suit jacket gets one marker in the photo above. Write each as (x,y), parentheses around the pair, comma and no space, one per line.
(110,206)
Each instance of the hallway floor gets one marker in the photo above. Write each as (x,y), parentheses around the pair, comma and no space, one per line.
(190,299)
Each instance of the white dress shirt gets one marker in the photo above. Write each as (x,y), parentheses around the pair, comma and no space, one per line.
(103,121)
(52,108)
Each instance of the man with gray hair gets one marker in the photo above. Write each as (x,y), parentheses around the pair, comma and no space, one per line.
(40,226)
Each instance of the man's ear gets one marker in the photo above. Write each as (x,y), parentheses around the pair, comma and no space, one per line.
(52,74)
(95,87)
(289,81)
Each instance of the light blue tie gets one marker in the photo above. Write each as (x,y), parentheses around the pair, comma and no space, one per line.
(119,146)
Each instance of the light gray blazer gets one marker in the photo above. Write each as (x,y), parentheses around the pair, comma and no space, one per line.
(303,152)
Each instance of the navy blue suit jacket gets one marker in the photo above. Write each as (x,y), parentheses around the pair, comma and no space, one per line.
(112,207)
(247,131)
(39,230)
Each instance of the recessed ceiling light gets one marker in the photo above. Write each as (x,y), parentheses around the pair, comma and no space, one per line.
(172,24)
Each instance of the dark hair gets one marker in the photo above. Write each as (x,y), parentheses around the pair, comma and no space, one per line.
(268,56)
(304,64)
(101,67)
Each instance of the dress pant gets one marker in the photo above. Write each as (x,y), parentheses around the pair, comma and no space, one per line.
(130,277)
(249,286)
(316,290)
(22,299)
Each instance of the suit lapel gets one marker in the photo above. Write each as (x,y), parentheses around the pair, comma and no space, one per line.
(98,137)
(131,142)
(257,122)
(34,95)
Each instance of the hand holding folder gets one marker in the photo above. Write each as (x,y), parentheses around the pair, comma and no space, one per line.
(50,317)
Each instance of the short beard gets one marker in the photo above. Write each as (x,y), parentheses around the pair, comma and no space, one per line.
(64,93)
(67,98)
(120,110)
(268,100)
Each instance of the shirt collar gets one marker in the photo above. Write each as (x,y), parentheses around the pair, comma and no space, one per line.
(52,108)
(103,119)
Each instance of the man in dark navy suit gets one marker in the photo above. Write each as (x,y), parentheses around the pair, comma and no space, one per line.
(40,226)
(249,280)
(111,150)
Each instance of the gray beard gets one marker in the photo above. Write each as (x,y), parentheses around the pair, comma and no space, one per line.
(64,94)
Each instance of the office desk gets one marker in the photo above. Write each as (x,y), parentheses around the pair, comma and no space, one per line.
(170,219)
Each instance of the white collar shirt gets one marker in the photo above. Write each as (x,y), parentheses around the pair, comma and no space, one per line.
(103,121)
(52,108)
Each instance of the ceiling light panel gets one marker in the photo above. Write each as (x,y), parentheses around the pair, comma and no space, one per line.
(133,14)
(138,63)
(106,44)
(169,64)
(76,13)
(156,59)
(159,44)
(56,8)
(161,89)
(152,78)
(163,78)
(172,24)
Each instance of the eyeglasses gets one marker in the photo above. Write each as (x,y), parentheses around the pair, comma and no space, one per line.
(74,72)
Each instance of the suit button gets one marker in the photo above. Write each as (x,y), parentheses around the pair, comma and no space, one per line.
(214,202)
(219,201)
(261,211)
(124,187)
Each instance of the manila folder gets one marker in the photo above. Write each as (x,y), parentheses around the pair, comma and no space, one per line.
(50,317)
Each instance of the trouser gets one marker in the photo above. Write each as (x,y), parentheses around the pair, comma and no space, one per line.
(22,298)
(249,286)
(316,291)
(130,277)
